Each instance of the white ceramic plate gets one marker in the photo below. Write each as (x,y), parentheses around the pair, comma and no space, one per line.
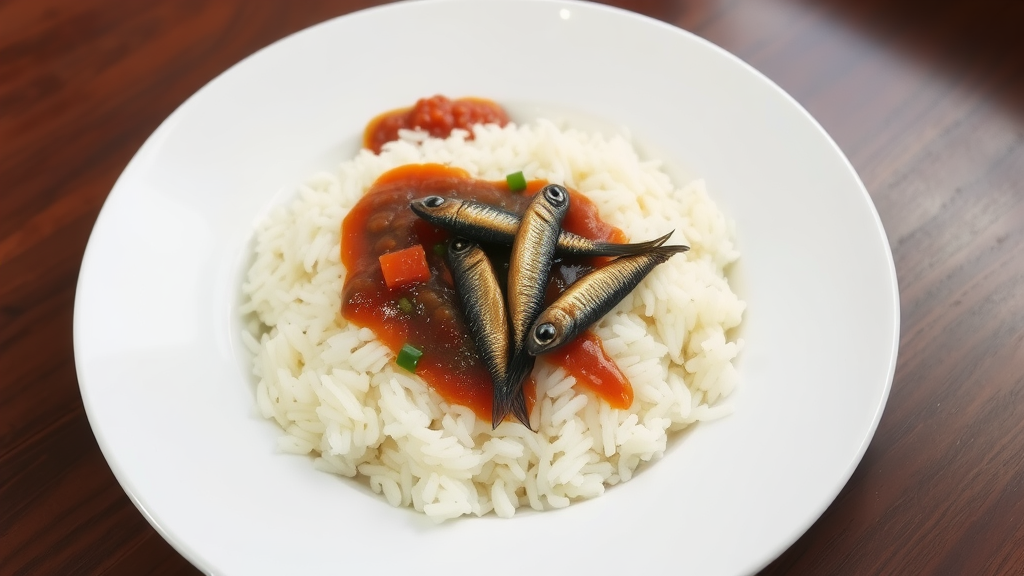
(165,378)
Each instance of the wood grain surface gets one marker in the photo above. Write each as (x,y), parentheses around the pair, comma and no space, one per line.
(925,98)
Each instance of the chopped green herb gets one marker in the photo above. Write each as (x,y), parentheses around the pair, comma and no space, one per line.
(408,357)
(404,305)
(516,181)
(440,249)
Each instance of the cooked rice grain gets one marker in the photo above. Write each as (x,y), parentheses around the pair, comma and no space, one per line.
(335,391)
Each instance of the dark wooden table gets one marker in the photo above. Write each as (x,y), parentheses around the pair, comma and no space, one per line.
(926,99)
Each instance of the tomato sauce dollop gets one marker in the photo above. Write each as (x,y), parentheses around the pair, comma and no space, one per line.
(436,115)
(382,222)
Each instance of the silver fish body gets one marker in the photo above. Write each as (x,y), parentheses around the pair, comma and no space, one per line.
(482,304)
(489,224)
(469,219)
(533,251)
(591,297)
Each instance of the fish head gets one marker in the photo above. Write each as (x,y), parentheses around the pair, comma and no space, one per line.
(556,198)
(459,245)
(553,328)
(434,208)
(461,250)
(552,203)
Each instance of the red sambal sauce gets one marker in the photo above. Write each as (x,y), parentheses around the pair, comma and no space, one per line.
(382,222)
(437,115)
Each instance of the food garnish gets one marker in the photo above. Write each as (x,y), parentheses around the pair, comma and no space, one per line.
(409,357)
(404,266)
(405,305)
(516,181)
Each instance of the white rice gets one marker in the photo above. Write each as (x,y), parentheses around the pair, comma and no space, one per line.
(338,395)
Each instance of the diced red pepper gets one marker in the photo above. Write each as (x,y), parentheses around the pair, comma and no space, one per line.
(405,266)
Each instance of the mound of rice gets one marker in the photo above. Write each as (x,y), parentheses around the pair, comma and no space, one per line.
(337,393)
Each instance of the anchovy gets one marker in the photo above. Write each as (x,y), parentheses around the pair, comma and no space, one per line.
(533,251)
(489,224)
(483,305)
(591,297)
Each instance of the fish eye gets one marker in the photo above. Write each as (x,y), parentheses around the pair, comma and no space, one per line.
(433,201)
(556,195)
(459,245)
(545,333)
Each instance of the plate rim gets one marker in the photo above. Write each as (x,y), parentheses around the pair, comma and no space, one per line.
(146,151)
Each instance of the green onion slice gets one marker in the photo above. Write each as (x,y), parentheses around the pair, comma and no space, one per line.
(516,181)
(408,357)
(404,305)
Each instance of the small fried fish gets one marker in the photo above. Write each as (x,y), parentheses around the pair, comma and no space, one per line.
(591,297)
(533,251)
(482,305)
(489,224)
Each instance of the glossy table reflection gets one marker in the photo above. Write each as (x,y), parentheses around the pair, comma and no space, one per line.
(926,99)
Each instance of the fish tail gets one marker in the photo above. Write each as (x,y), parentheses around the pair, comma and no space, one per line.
(613,249)
(663,253)
(499,409)
(508,397)
(519,409)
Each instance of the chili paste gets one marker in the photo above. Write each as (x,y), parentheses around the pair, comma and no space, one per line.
(427,314)
(436,115)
